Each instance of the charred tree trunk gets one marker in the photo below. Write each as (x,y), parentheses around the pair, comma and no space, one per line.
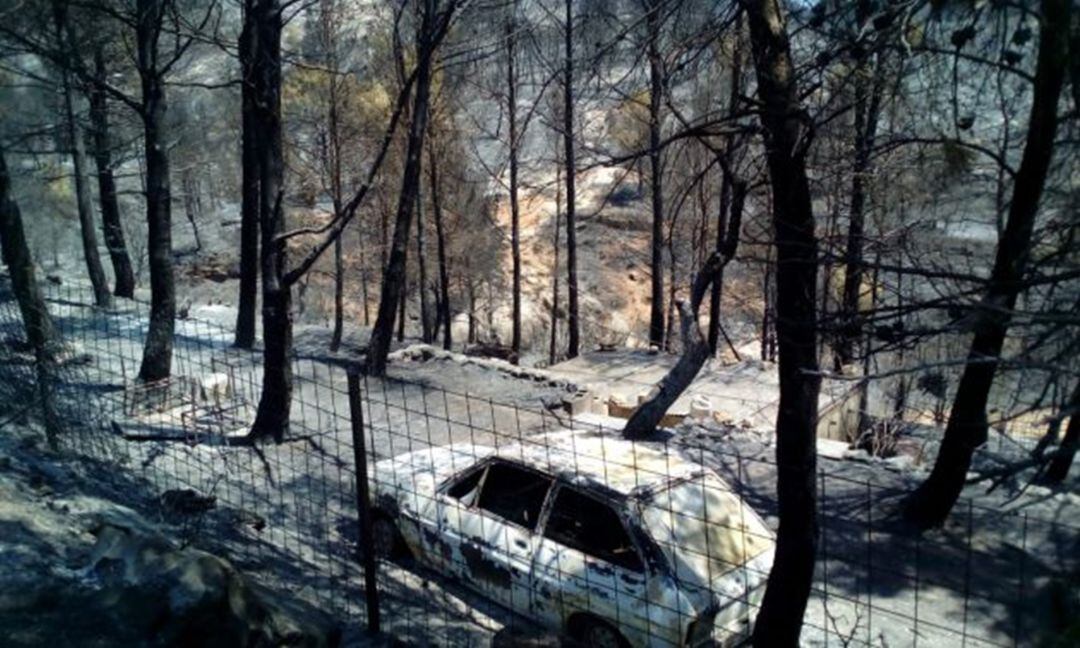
(867,106)
(157,352)
(552,346)
(77,142)
(722,227)
(572,321)
(515,214)
(785,124)
(645,419)
(966,430)
(339,296)
(40,333)
(394,278)
(421,268)
(112,228)
(272,417)
(440,235)
(249,186)
(656,89)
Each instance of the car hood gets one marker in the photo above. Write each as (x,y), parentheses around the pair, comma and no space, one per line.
(419,472)
(711,538)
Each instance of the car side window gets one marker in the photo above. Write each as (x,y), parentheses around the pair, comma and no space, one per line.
(467,487)
(592,527)
(514,493)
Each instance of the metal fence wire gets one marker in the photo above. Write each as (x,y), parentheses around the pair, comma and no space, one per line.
(487,520)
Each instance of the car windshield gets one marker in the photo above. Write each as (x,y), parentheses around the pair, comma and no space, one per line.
(704,529)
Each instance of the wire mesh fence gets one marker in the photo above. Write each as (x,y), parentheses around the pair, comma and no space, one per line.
(490,517)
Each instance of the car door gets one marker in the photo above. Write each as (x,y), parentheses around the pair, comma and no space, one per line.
(488,530)
(586,561)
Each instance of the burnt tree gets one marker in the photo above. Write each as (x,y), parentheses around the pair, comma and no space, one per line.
(572,319)
(40,333)
(249,185)
(394,275)
(966,429)
(111,225)
(157,350)
(515,211)
(653,23)
(272,417)
(786,130)
(77,144)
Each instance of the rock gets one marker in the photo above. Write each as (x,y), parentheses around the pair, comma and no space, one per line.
(900,463)
(857,454)
(165,596)
(700,407)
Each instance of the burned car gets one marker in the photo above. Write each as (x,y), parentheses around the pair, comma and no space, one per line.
(615,543)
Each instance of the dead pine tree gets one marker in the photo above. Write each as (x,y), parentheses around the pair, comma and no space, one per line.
(77,142)
(966,429)
(111,226)
(249,185)
(573,323)
(40,332)
(394,278)
(787,133)
(515,211)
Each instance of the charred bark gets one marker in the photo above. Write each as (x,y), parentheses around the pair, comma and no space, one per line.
(966,429)
(646,418)
(868,90)
(249,186)
(656,89)
(40,333)
(157,351)
(515,213)
(440,235)
(111,225)
(786,133)
(272,417)
(77,142)
(572,321)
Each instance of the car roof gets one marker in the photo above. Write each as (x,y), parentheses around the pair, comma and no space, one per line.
(591,458)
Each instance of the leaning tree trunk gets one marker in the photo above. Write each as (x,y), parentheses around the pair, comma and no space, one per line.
(111,225)
(157,351)
(779,621)
(646,418)
(572,320)
(394,278)
(249,186)
(966,429)
(40,332)
(78,157)
(656,307)
(272,417)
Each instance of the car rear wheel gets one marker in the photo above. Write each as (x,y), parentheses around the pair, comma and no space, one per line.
(595,633)
(385,538)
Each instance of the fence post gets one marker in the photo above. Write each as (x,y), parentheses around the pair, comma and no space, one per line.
(363,503)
